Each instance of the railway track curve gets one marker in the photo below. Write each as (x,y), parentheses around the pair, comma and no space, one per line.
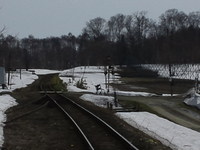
(96,132)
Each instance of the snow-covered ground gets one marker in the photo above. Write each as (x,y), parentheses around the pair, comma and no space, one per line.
(93,76)
(132,93)
(44,71)
(15,81)
(6,101)
(175,136)
(193,99)
(101,100)
(171,134)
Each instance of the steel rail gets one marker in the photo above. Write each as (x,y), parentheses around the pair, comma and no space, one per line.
(74,122)
(28,113)
(128,143)
(24,105)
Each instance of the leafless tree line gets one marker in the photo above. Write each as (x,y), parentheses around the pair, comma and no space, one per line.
(126,39)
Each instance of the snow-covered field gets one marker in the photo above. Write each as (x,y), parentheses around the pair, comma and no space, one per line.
(15,81)
(169,133)
(99,100)
(44,71)
(175,136)
(91,76)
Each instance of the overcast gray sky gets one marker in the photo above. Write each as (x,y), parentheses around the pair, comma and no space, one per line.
(45,18)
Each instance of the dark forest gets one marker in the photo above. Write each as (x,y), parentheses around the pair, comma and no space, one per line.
(125,39)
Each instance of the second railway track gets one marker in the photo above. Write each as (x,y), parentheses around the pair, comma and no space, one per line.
(97,133)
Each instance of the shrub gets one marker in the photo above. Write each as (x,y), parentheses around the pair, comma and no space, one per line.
(81,84)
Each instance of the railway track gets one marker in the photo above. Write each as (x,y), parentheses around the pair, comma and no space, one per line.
(94,133)
(44,123)
(97,134)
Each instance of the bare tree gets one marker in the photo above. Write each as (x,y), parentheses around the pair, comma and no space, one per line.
(141,24)
(194,19)
(12,41)
(2,30)
(153,29)
(172,20)
(95,28)
(110,29)
(115,27)
(128,24)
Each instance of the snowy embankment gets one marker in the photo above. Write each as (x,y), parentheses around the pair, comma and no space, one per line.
(175,136)
(6,101)
(193,99)
(44,71)
(131,93)
(27,77)
(99,100)
(17,81)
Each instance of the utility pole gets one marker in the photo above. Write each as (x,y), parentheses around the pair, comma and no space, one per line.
(108,61)
(20,72)
(105,73)
(9,64)
(108,78)
(171,81)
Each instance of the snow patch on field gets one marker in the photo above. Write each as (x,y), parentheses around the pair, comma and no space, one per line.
(92,76)
(175,136)
(131,93)
(27,77)
(19,82)
(193,99)
(98,100)
(45,71)
(6,101)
